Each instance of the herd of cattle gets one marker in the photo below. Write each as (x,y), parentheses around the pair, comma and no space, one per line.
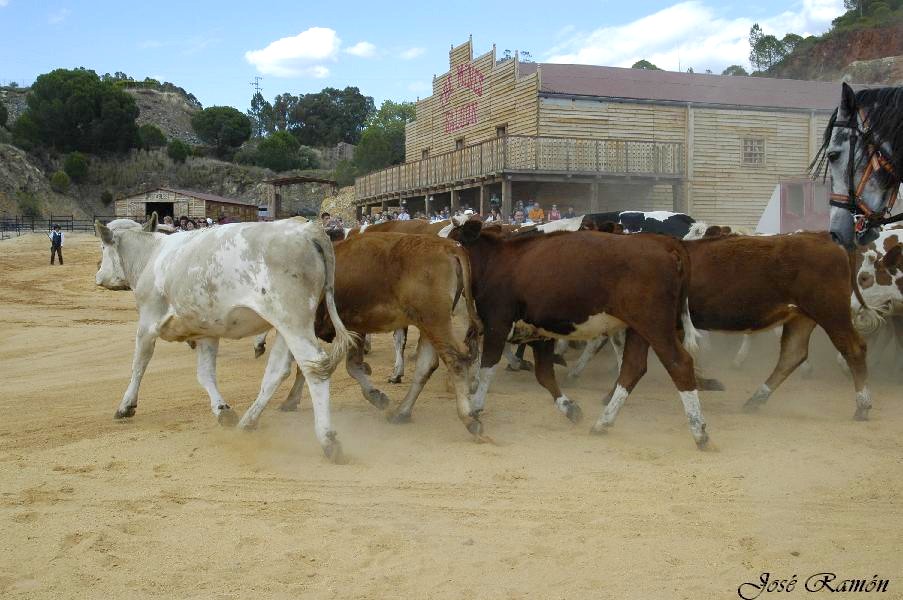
(640,280)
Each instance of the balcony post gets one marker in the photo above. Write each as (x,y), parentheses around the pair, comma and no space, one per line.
(482,199)
(595,202)
(506,198)
(455,201)
(426,204)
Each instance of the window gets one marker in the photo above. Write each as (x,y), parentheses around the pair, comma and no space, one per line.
(459,143)
(795,199)
(425,153)
(501,131)
(752,152)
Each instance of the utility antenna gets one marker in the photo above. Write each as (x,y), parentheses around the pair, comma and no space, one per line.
(256,83)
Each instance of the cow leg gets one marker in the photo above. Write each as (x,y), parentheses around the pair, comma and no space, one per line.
(354,364)
(456,360)
(279,366)
(561,347)
(293,400)
(516,360)
(543,352)
(260,344)
(851,346)
(897,323)
(367,343)
(743,352)
(679,364)
(144,351)
(633,367)
(494,344)
(207,349)
(426,362)
(794,350)
(590,350)
(400,340)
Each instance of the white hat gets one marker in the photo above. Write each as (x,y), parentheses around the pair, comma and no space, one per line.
(209,221)
(468,212)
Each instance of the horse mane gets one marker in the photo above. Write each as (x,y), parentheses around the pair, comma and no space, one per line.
(884,111)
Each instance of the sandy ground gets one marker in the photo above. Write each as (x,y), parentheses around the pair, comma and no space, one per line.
(168,504)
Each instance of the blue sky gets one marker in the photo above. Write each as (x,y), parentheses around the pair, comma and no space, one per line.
(388,49)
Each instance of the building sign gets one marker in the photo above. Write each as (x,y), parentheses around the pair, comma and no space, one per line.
(466,77)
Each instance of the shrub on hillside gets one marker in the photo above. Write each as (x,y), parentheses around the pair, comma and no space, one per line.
(151,136)
(344,173)
(76,166)
(278,152)
(308,158)
(223,127)
(178,151)
(28,204)
(59,182)
(106,197)
(74,110)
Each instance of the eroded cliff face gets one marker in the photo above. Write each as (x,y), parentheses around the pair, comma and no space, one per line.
(862,56)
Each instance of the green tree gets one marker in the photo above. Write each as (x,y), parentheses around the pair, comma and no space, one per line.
(76,166)
(283,108)
(278,151)
(178,150)
(4,115)
(261,115)
(766,50)
(308,158)
(74,110)
(382,142)
(59,182)
(790,42)
(735,70)
(151,136)
(344,173)
(222,127)
(644,64)
(331,116)
(28,204)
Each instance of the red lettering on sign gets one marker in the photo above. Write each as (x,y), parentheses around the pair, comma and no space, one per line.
(460,117)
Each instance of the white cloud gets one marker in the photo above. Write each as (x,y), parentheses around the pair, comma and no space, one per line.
(4,3)
(58,16)
(362,49)
(301,55)
(411,53)
(689,34)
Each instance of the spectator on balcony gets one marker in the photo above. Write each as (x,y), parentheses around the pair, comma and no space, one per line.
(518,218)
(570,214)
(554,214)
(494,216)
(403,215)
(537,214)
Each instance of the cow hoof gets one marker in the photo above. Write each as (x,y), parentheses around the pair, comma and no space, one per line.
(526,365)
(710,385)
(861,414)
(288,406)
(248,425)
(367,369)
(125,414)
(559,360)
(599,429)
(377,399)
(512,368)
(333,451)
(751,406)
(572,375)
(475,428)
(574,413)
(259,350)
(702,441)
(226,416)
(395,379)
(399,418)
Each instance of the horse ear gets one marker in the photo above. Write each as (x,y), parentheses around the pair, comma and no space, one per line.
(151,224)
(106,236)
(470,232)
(847,99)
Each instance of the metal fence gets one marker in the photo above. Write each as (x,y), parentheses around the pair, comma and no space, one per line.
(16,225)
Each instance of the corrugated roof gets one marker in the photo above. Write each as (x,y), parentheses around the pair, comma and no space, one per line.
(669,86)
(206,196)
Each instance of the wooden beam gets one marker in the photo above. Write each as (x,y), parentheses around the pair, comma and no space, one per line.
(506,198)
(482,199)
(595,201)
(455,200)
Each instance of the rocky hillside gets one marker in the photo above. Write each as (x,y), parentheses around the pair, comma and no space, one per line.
(168,111)
(872,55)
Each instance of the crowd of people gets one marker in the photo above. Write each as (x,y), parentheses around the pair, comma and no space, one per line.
(523,213)
(186,224)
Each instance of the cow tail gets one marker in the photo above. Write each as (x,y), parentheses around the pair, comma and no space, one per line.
(475,325)
(691,334)
(866,320)
(344,339)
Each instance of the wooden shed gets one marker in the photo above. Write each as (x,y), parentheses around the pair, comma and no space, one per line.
(602,138)
(176,203)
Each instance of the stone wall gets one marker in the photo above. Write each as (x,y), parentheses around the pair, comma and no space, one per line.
(14,99)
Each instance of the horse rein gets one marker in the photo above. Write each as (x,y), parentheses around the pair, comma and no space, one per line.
(863,216)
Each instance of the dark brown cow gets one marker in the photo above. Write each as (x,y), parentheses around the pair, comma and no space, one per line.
(601,283)
(800,280)
(386,281)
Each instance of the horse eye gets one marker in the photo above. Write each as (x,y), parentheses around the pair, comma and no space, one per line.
(833,155)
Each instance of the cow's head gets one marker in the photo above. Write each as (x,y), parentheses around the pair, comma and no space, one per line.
(111,273)
(880,275)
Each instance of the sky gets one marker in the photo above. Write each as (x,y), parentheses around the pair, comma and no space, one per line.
(390,50)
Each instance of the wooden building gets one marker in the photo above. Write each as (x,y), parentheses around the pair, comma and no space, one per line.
(176,203)
(603,138)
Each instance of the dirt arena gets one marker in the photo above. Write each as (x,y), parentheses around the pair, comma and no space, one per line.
(168,504)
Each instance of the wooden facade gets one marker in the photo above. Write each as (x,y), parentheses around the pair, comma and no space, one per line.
(178,203)
(599,138)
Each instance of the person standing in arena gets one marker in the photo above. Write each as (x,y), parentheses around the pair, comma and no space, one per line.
(56,243)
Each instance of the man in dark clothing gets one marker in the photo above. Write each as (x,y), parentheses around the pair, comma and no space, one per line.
(56,243)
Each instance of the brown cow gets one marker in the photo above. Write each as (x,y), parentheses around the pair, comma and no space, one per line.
(385,281)
(600,283)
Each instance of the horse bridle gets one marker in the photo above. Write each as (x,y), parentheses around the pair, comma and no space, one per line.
(863,216)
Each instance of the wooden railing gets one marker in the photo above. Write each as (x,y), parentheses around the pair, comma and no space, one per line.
(516,153)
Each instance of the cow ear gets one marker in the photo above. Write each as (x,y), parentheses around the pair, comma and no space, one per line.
(726,230)
(893,258)
(847,99)
(106,236)
(151,224)
(470,232)
(713,231)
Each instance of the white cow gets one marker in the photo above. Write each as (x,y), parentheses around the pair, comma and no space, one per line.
(230,282)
